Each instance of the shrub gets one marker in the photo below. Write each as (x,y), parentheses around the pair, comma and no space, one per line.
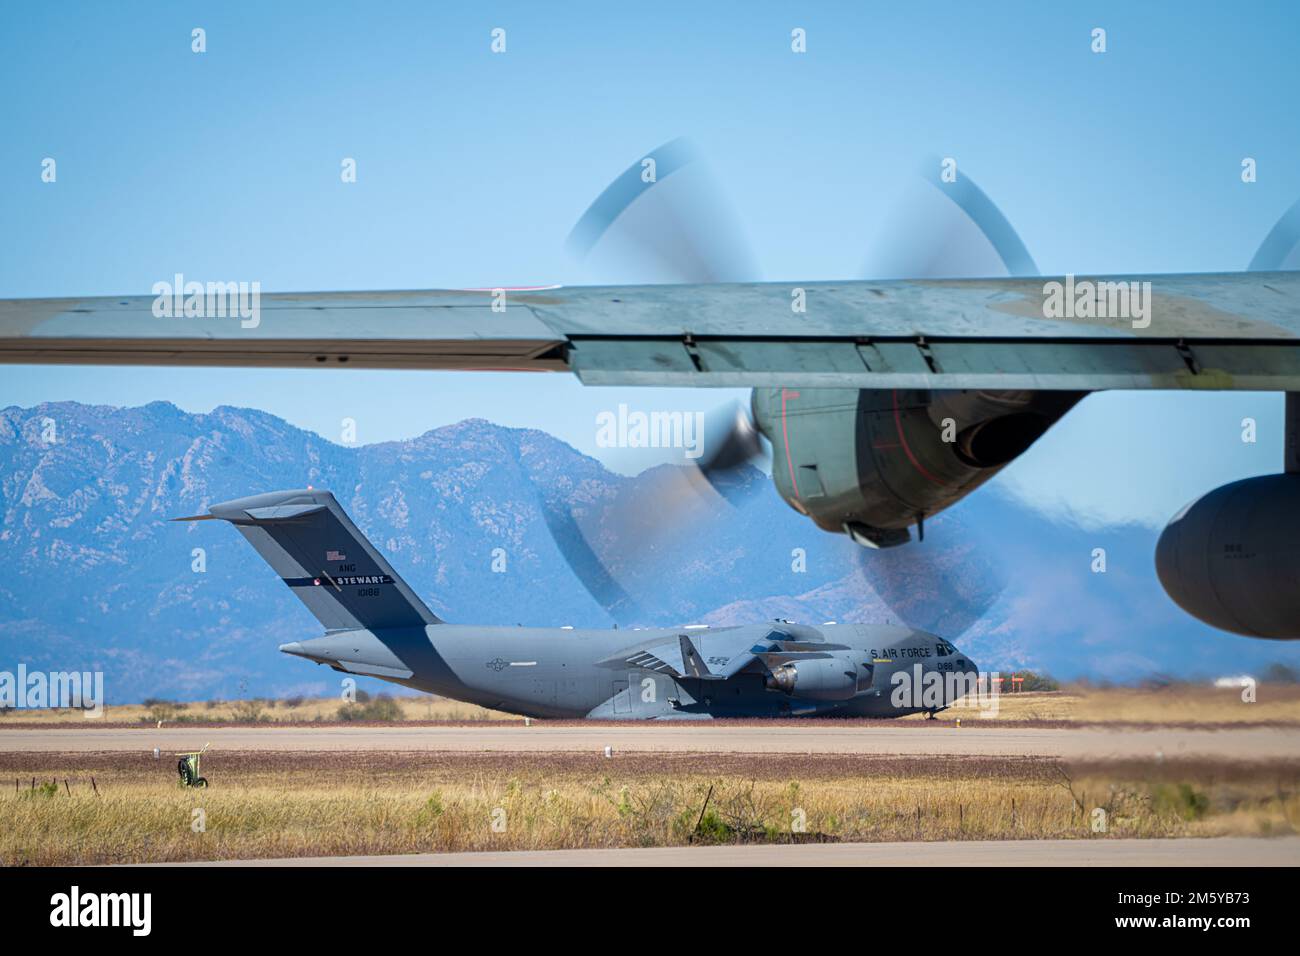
(382,707)
(713,829)
(1038,682)
(248,712)
(159,710)
(1182,800)
(1279,673)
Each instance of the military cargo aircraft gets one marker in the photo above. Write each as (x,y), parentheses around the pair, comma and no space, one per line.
(883,401)
(376,626)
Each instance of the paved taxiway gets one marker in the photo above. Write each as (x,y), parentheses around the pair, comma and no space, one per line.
(1224,851)
(1248,743)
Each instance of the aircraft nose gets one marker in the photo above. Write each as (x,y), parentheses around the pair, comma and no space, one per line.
(970,674)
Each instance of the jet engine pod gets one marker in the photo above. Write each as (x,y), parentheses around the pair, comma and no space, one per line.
(817,678)
(1232,557)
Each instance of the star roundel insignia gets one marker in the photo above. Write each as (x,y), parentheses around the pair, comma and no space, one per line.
(497,664)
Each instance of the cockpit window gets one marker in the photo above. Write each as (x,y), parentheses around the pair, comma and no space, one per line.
(944,648)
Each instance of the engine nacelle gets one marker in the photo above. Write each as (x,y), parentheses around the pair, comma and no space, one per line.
(820,678)
(872,462)
(1232,557)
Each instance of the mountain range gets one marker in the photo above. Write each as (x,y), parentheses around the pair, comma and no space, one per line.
(499,525)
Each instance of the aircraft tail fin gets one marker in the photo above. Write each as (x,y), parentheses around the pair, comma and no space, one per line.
(309,540)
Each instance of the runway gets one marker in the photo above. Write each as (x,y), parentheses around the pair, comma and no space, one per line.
(1249,743)
(1223,851)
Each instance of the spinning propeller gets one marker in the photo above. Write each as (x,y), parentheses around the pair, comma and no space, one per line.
(664,220)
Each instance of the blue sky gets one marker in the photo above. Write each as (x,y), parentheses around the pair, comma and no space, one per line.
(472,167)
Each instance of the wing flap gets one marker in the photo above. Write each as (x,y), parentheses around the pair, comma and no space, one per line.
(1071,364)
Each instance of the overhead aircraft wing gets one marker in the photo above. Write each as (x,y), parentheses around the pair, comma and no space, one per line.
(1210,331)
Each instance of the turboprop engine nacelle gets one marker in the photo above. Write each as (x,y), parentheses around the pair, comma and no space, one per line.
(873,462)
(1232,557)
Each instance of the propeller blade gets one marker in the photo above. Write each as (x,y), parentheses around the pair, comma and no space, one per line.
(947,230)
(615,546)
(663,219)
(731,442)
(566,528)
(943,585)
(1280,250)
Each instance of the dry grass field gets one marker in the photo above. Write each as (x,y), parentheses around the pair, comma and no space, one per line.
(1174,704)
(262,710)
(66,808)
(267,805)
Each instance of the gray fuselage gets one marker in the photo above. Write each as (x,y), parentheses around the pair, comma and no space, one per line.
(570,673)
